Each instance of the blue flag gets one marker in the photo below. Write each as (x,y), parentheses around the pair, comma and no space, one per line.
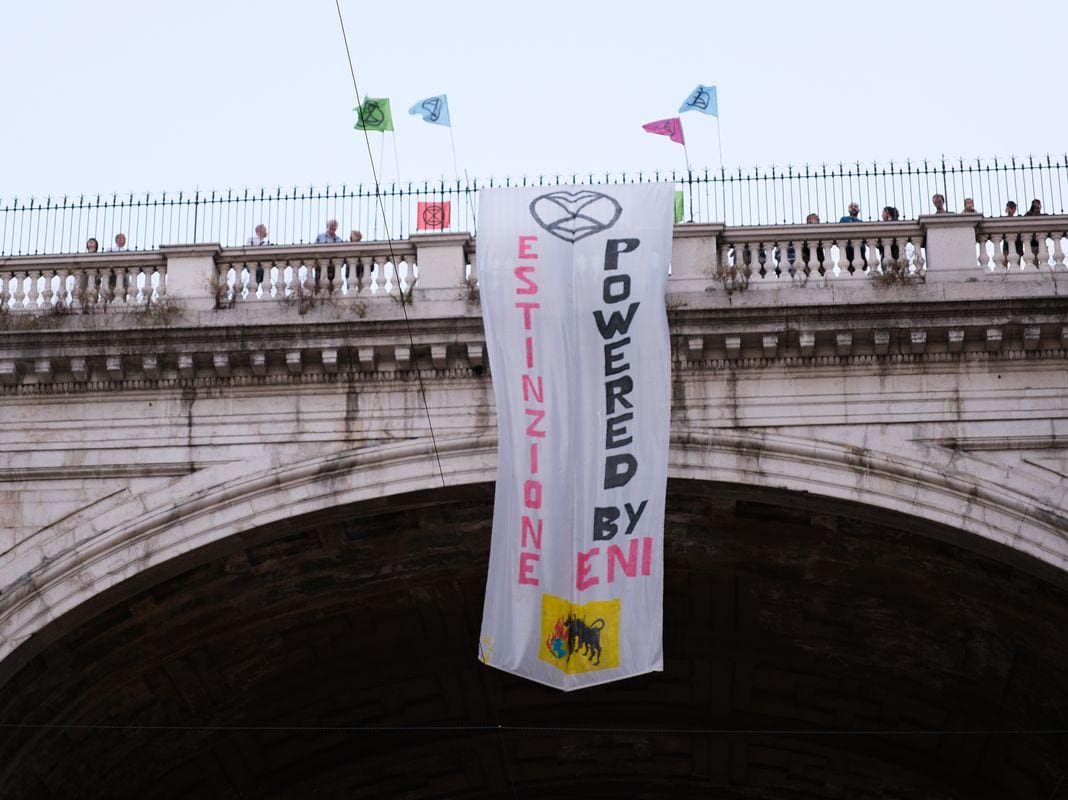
(433,109)
(702,99)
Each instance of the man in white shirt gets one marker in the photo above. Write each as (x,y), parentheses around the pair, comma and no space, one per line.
(120,244)
(331,234)
(260,237)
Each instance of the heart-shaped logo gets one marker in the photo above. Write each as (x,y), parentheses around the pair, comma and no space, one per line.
(575,215)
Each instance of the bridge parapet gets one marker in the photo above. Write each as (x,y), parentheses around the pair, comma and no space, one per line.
(64,315)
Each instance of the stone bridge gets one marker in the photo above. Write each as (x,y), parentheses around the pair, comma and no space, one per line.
(245,498)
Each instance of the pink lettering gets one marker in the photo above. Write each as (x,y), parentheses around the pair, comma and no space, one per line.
(531,389)
(583,580)
(532,494)
(527,308)
(532,429)
(526,568)
(629,564)
(527,526)
(525,249)
(533,458)
(530,353)
(522,273)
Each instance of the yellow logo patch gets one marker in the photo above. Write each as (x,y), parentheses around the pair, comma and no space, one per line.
(579,638)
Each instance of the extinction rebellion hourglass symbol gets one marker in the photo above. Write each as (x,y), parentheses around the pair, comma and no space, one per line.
(371,114)
(433,216)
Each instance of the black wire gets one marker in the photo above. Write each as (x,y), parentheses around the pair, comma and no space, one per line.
(542,729)
(418,372)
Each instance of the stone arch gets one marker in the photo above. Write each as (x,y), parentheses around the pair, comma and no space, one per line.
(132,536)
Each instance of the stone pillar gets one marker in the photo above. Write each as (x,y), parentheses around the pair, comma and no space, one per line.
(694,254)
(442,259)
(950,245)
(191,274)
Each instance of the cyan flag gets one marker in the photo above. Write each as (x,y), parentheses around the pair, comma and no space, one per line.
(702,99)
(433,109)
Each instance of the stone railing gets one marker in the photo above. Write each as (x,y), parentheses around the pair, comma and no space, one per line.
(1015,244)
(935,248)
(797,253)
(82,282)
(345,270)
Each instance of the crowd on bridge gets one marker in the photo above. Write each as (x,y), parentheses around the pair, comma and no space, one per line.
(330,235)
(259,237)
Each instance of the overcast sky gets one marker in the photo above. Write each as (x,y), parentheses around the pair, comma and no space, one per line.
(118,95)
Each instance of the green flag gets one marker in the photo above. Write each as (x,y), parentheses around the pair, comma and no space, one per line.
(374,115)
(678,206)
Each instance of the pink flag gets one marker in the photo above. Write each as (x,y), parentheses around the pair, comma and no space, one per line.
(667,127)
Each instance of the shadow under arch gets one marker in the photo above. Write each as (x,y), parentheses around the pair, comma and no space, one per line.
(53,576)
(798,602)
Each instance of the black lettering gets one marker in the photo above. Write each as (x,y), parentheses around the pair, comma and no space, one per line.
(604,522)
(615,428)
(611,357)
(617,323)
(617,296)
(612,249)
(616,392)
(633,516)
(619,469)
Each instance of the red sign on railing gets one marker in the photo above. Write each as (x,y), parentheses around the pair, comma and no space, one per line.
(433,216)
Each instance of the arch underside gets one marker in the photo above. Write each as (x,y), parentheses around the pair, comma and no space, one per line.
(814,648)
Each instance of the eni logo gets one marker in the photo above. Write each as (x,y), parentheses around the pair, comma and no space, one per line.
(579,638)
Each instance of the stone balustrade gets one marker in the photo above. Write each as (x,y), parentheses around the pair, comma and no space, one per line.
(295,272)
(939,248)
(796,253)
(82,282)
(1028,244)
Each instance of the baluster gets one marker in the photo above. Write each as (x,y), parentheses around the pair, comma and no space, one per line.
(1058,250)
(1001,251)
(5,289)
(357,271)
(79,294)
(21,296)
(833,265)
(287,274)
(373,275)
(47,291)
(331,276)
(762,256)
(982,257)
(1015,254)
(919,260)
(810,255)
(33,293)
(725,260)
(1042,254)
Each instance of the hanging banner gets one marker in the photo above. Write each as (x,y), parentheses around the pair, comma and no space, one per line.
(572,285)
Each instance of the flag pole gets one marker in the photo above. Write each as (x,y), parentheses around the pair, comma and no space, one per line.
(396,159)
(456,172)
(689,172)
(719,142)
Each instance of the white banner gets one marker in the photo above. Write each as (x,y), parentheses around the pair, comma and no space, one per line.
(572,283)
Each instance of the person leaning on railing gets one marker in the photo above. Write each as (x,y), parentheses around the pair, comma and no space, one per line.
(1035,211)
(852,216)
(260,238)
(330,235)
(92,245)
(890,214)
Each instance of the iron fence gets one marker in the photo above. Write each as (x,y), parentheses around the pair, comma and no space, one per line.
(736,197)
